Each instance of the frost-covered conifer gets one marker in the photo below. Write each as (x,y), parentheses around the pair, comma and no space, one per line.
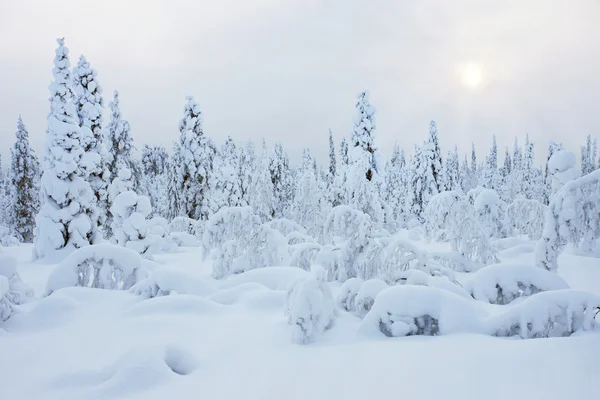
(247,163)
(90,107)
(434,155)
(129,223)
(340,181)
(155,169)
(25,202)
(67,199)
(332,161)
(120,159)
(196,153)
(260,193)
(421,180)
(364,181)
(308,200)
(172,186)
(225,183)
(395,176)
(281,177)
(452,171)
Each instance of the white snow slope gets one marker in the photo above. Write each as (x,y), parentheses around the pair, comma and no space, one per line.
(230,340)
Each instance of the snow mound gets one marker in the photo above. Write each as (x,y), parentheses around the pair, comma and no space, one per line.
(6,305)
(309,306)
(420,278)
(236,293)
(367,294)
(18,292)
(274,278)
(502,284)
(348,293)
(549,314)
(102,266)
(166,281)
(304,254)
(183,239)
(172,306)
(420,310)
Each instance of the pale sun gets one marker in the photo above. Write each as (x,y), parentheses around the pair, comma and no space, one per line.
(472,75)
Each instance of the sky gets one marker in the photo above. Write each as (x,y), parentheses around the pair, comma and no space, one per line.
(289,71)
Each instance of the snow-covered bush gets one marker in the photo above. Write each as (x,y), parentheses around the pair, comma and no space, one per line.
(367,294)
(184,224)
(286,226)
(6,305)
(129,225)
(437,214)
(421,278)
(573,216)
(562,167)
(158,227)
(103,266)
(502,284)
(18,292)
(329,257)
(309,308)
(453,260)
(266,247)
(348,292)
(490,213)
(304,254)
(420,310)
(229,223)
(184,239)
(550,314)
(467,235)
(526,217)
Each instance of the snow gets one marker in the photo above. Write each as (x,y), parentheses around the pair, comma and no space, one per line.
(502,284)
(367,293)
(208,333)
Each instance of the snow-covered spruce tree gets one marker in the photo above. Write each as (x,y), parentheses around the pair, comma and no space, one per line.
(421,181)
(307,206)
(395,176)
(172,186)
(594,156)
(465,175)
(6,215)
(23,170)
(129,223)
(340,181)
(281,177)
(120,159)
(587,158)
(562,168)
(225,189)
(197,152)
(433,155)
(332,161)
(67,198)
(491,178)
(155,170)
(553,147)
(260,193)
(246,172)
(452,171)
(474,172)
(504,173)
(90,107)
(364,181)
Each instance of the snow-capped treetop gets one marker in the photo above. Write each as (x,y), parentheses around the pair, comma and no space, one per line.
(344,159)
(332,161)
(60,89)
(88,100)
(364,123)
(192,118)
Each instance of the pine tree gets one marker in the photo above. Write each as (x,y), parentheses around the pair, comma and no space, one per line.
(396,184)
(452,171)
(434,153)
(120,159)
(25,202)
(225,185)
(173,193)
(260,194)
(474,173)
(594,155)
(246,173)
(308,200)
(552,148)
(279,168)
(363,178)
(155,170)
(465,175)
(90,107)
(197,153)
(332,160)
(67,199)
(341,180)
(587,159)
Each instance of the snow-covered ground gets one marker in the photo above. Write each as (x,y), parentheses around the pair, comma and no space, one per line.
(230,339)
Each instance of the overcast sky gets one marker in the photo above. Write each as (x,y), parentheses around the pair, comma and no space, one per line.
(290,70)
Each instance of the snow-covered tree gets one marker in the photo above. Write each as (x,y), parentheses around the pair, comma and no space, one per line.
(588,159)
(562,168)
(421,181)
(120,159)
(307,208)
(452,171)
(24,182)
(433,155)
(395,176)
(67,198)
(196,152)
(155,169)
(364,181)
(281,177)
(90,107)
(341,180)
(129,224)
(332,161)
(225,183)
(260,193)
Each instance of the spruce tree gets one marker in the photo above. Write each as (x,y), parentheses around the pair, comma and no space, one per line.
(225,184)
(155,171)
(332,160)
(434,154)
(260,193)
(246,173)
(67,198)
(90,108)
(279,168)
(197,154)
(23,170)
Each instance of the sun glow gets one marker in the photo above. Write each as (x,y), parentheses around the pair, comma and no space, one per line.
(472,75)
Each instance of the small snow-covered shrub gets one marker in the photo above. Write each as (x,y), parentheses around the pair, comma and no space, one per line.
(420,310)
(296,237)
(573,216)
(348,293)
(17,292)
(420,278)
(437,213)
(166,281)
(329,257)
(304,254)
(183,239)
(266,247)
(309,306)
(9,241)
(502,284)
(453,260)
(489,209)
(548,314)
(129,225)
(562,167)
(102,266)
(467,235)
(159,228)
(367,294)
(183,224)
(526,217)
(286,226)
(6,305)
